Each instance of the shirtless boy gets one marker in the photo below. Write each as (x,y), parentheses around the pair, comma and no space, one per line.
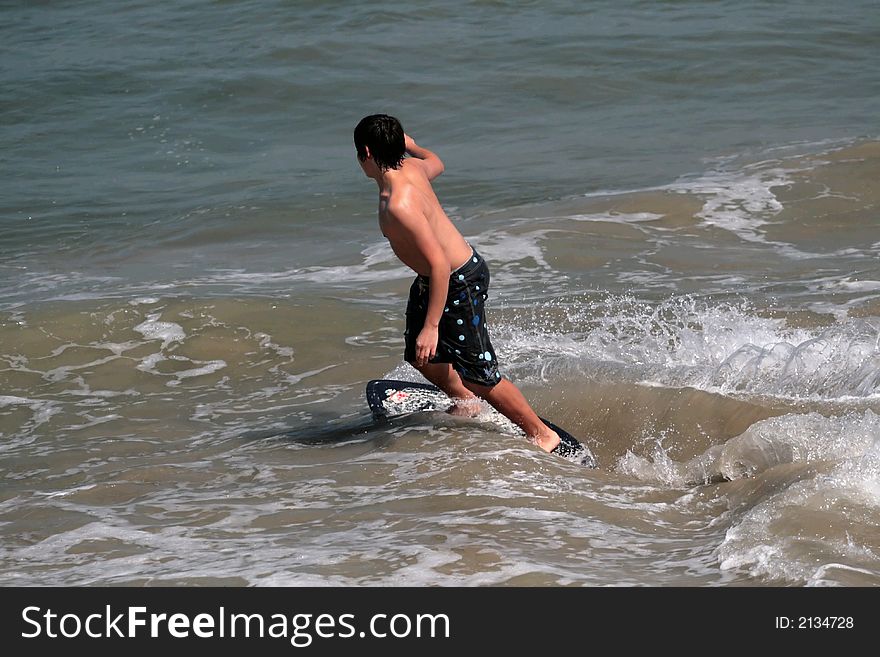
(446,335)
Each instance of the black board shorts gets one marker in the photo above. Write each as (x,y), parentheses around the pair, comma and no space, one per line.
(463,334)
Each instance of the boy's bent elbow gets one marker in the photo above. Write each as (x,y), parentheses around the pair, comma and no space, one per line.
(436,168)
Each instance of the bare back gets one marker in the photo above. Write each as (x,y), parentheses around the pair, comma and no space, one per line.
(411,217)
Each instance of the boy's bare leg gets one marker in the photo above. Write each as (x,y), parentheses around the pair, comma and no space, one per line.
(507,399)
(447,379)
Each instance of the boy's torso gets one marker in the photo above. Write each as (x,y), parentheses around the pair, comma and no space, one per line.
(411,187)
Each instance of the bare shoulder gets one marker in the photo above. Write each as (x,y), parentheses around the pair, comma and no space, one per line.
(415,169)
(406,204)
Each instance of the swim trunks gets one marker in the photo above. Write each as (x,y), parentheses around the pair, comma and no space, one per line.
(463,335)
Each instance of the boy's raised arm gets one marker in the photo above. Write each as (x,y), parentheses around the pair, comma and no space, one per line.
(431,162)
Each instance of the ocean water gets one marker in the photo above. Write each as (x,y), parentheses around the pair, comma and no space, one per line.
(679,204)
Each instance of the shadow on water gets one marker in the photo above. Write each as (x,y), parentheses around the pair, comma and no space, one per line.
(332,430)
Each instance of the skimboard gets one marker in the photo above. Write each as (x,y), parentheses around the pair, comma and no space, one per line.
(388,398)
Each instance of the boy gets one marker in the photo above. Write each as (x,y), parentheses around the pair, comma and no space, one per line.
(446,335)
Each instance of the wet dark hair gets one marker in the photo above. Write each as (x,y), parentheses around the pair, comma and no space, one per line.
(383,135)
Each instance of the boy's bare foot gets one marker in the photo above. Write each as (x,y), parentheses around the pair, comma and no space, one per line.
(470,407)
(547,439)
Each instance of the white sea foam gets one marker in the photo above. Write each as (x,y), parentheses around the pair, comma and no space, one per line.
(503,248)
(117,348)
(63,372)
(721,348)
(148,363)
(378,263)
(836,509)
(833,498)
(153,329)
(783,440)
(266,342)
(521,256)
(41,412)
(9,400)
(742,202)
(170,333)
(849,285)
(616,217)
(205,367)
